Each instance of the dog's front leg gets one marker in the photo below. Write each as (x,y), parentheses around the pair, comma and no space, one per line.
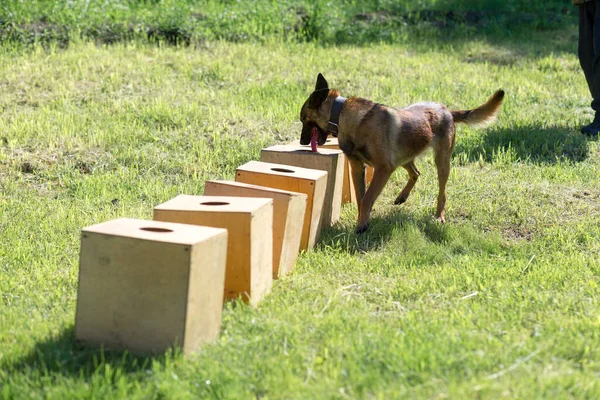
(357,168)
(380,177)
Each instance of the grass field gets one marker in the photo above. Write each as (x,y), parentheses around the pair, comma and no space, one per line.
(346,21)
(500,302)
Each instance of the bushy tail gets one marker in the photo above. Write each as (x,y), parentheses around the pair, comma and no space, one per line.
(483,114)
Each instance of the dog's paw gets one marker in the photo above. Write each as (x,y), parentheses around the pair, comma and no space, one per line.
(361,229)
(400,200)
(440,219)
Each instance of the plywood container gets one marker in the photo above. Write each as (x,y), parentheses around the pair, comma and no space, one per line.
(249,222)
(348,194)
(311,182)
(328,160)
(288,215)
(330,143)
(145,286)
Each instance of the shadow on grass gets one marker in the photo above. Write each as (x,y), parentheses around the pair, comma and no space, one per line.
(547,145)
(381,230)
(528,143)
(62,355)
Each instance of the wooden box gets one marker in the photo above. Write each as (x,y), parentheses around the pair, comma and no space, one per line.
(249,222)
(328,160)
(348,194)
(311,182)
(330,143)
(145,286)
(288,215)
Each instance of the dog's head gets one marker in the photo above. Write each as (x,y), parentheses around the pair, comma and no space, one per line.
(312,114)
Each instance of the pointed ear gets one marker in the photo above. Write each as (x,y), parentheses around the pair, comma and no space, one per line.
(321,82)
(320,94)
(317,98)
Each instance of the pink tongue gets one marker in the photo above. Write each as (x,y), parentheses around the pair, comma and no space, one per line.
(313,140)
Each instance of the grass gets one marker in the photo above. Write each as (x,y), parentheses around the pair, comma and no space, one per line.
(500,302)
(349,21)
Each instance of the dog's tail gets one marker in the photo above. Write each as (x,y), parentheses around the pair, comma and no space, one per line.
(483,114)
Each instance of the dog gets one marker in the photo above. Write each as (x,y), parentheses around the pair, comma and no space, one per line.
(387,138)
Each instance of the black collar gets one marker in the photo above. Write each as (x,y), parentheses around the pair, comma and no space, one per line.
(334,119)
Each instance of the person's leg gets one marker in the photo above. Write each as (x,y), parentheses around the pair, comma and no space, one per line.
(589,56)
(586,41)
(595,87)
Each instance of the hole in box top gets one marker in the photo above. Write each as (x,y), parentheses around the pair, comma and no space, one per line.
(214,203)
(158,230)
(287,171)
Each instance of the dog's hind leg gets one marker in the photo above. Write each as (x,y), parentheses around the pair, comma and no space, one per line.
(442,162)
(413,175)
(380,177)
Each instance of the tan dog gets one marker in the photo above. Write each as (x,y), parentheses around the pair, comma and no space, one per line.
(387,138)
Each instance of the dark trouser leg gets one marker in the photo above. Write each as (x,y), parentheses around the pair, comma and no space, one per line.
(589,56)
(586,41)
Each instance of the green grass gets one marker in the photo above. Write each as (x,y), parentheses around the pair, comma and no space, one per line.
(500,302)
(346,21)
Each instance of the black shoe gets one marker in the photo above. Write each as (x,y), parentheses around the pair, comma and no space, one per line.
(593,128)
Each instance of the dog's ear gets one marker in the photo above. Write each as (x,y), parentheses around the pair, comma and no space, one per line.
(321,82)
(320,94)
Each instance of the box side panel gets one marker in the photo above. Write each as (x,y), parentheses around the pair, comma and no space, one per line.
(293,235)
(335,180)
(205,292)
(316,211)
(291,183)
(237,276)
(280,208)
(262,253)
(329,163)
(132,293)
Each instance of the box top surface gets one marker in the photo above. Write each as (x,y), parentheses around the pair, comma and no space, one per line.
(257,187)
(331,142)
(282,148)
(282,170)
(164,232)
(226,204)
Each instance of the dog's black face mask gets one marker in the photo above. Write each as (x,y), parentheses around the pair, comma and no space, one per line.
(311,106)
(307,130)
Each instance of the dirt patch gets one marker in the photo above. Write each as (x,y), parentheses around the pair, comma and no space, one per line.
(28,168)
(587,194)
(85,167)
(502,57)
(517,233)
(29,161)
